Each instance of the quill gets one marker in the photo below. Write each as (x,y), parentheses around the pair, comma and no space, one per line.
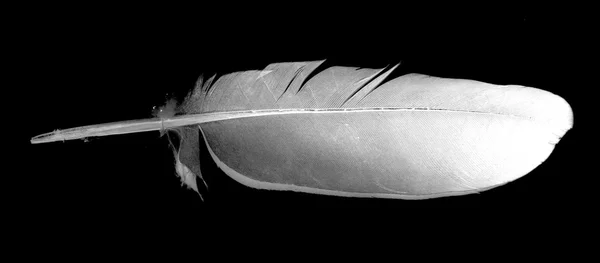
(352,132)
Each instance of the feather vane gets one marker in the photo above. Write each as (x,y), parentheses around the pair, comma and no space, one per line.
(348,132)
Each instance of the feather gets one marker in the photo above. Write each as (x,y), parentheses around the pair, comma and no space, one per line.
(348,132)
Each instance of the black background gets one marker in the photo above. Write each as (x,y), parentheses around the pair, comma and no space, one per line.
(107,64)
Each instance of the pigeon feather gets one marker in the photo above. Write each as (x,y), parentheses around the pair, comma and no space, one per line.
(353,132)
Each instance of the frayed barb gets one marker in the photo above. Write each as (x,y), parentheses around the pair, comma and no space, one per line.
(187,175)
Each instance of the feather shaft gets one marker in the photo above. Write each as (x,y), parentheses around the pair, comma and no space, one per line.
(145,125)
